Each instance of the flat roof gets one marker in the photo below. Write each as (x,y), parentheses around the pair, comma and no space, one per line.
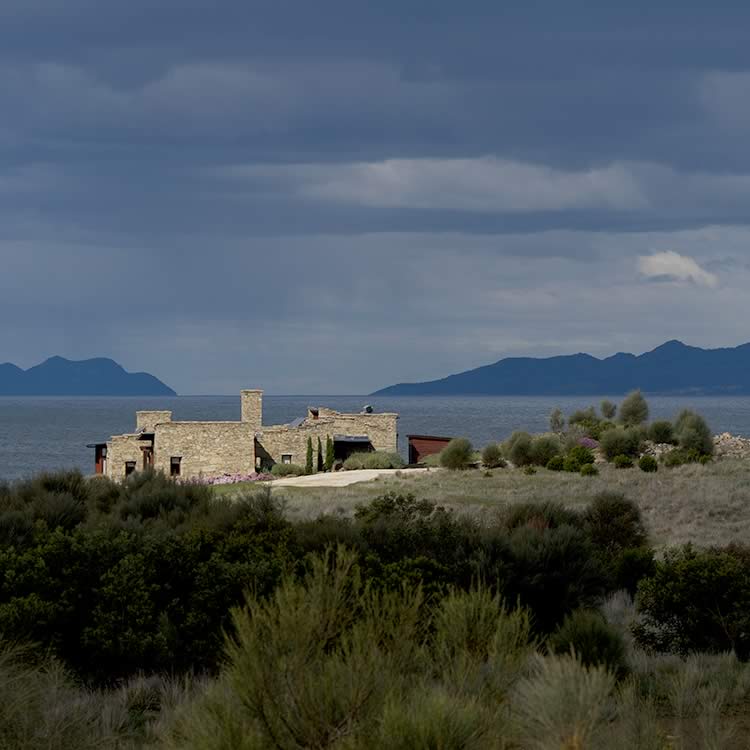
(429,437)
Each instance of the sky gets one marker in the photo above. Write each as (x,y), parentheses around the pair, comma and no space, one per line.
(331,197)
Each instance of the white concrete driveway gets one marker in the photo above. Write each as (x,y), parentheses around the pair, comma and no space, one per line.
(342,478)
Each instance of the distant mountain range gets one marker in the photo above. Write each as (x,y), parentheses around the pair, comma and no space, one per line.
(671,369)
(58,376)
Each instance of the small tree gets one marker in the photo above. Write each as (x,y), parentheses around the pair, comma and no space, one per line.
(319,462)
(492,457)
(458,454)
(634,410)
(329,454)
(692,433)
(309,460)
(557,421)
(608,410)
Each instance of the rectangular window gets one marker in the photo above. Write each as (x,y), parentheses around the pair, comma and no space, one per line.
(286,458)
(129,468)
(175,464)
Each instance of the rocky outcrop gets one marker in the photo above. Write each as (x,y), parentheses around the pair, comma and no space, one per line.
(727,445)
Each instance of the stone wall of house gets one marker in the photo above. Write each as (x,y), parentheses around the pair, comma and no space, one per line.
(382,429)
(120,449)
(207,449)
(145,421)
(251,407)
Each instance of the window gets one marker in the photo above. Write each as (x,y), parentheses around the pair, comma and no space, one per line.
(175,464)
(286,458)
(129,468)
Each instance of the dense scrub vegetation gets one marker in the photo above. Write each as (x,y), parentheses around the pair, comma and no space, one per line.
(405,625)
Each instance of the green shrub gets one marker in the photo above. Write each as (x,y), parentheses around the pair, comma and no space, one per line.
(661,432)
(680,457)
(648,464)
(583,416)
(432,460)
(629,566)
(571,464)
(693,434)
(492,457)
(594,642)
(582,455)
(287,470)
(553,571)
(634,410)
(589,470)
(623,462)
(563,705)
(556,463)
(697,600)
(621,442)
(319,463)
(557,421)
(587,422)
(374,460)
(614,523)
(519,449)
(608,410)
(704,460)
(457,455)
(543,448)
(529,470)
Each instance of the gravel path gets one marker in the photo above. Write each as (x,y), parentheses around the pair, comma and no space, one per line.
(342,478)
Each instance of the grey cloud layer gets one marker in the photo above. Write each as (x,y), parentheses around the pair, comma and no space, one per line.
(334,196)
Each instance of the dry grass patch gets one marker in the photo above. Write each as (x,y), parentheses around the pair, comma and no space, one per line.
(705,505)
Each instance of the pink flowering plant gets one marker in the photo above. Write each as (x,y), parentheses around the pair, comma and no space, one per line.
(255,476)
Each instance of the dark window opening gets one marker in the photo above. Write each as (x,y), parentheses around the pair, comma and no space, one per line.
(129,468)
(286,458)
(175,464)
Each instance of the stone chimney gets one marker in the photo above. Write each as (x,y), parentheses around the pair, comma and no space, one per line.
(146,421)
(252,407)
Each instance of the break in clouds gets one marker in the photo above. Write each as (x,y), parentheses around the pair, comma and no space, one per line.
(332,199)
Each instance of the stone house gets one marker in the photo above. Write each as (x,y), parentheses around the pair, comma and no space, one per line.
(210,449)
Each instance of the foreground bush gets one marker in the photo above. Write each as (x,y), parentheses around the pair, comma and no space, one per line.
(374,460)
(148,585)
(457,455)
(587,635)
(697,600)
(623,462)
(648,464)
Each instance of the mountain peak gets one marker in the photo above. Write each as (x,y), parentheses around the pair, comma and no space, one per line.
(58,376)
(674,367)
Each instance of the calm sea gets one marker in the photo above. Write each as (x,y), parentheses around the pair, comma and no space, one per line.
(52,433)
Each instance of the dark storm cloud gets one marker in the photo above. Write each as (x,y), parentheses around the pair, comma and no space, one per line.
(332,196)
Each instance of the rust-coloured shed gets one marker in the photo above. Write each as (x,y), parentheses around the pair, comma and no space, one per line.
(421,446)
